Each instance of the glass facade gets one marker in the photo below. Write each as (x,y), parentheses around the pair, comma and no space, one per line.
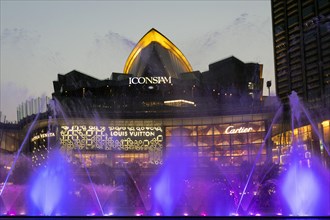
(228,144)
(308,143)
(226,140)
(325,144)
(282,144)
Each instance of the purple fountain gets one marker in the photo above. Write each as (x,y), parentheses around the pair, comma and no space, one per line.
(177,187)
(161,139)
(305,182)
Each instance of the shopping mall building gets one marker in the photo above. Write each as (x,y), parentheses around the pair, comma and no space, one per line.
(159,104)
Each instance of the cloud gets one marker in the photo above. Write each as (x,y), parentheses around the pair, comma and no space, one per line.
(26,58)
(245,34)
(114,41)
(53,60)
(212,38)
(18,47)
(242,24)
(19,37)
(241,19)
(115,37)
(11,96)
(247,37)
(108,54)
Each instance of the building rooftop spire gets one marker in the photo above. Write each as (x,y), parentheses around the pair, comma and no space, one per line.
(171,56)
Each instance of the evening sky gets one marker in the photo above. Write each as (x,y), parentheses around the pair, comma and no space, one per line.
(40,39)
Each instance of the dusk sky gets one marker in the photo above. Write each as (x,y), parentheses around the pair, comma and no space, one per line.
(40,39)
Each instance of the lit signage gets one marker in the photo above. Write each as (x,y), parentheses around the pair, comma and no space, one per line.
(112,138)
(179,101)
(45,135)
(150,80)
(232,130)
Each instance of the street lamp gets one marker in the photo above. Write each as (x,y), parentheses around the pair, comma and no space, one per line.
(269,84)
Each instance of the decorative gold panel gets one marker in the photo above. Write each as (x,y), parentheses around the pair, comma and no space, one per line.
(112,138)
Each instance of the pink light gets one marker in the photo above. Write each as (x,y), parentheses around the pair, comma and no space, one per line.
(157,214)
(203,214)
(11,213)
(185,214)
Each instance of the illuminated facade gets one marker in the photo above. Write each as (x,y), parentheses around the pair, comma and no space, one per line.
(309,141)
(157,104)
(230,140)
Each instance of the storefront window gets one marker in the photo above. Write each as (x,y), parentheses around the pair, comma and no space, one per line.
(326,131)
(282,143)
(226,144)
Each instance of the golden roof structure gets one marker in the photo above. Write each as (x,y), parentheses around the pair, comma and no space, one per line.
(155,55)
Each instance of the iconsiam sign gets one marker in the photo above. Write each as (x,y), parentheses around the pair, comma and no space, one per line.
(150,80)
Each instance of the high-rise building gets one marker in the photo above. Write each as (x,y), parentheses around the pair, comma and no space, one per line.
(301,34)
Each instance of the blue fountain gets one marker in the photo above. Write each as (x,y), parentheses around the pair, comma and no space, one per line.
(305,182)
(176,188)
(169,184)
(50,187)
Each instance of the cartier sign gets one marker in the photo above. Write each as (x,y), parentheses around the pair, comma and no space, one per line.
(232,130)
